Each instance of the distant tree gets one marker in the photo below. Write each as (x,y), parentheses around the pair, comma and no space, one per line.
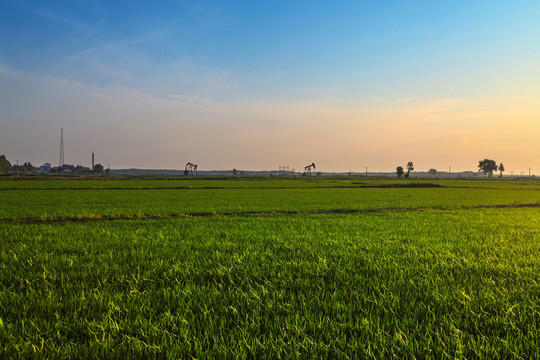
(234,171)
(79,169)
(28,167)
(399,171)
(487,166)
(432,172)
(98,168)
(24,168)
(501,169)
(63,168)
(410,167)
(5,165)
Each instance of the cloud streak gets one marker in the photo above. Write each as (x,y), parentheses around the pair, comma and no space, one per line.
(60,19)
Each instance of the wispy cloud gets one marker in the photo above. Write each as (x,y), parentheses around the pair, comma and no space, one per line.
(58,18)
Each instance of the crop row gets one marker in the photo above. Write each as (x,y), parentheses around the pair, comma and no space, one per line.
(144,202)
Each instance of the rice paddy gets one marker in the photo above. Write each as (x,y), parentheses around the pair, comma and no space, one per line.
(268,268)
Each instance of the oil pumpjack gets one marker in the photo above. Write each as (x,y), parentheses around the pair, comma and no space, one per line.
(307,169)
(191,169)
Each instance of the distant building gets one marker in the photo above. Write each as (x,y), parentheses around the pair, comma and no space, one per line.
(45,168)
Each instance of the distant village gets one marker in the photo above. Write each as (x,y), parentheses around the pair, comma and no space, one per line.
(27,168)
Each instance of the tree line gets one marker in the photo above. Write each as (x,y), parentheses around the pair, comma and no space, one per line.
(27,167)
(487,166)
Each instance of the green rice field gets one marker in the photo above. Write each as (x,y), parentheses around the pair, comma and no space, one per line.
(269,268)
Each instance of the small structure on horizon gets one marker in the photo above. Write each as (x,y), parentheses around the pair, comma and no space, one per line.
(191,169)
(45,168)
(284,170)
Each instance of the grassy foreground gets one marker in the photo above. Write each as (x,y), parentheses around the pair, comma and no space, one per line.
(459,283)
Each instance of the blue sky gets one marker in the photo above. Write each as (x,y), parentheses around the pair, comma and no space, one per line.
(233,79)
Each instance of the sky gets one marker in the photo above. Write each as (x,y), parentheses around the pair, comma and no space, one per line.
(253,85)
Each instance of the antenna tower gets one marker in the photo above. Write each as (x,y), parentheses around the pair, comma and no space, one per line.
(61,146)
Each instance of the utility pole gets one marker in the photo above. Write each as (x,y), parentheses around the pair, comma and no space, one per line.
(449,172)
(92,161)
(366,170)
(61,162)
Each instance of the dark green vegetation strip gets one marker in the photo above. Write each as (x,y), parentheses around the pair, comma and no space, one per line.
(272,182)
(381,186)
(273,213)
(431,284)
